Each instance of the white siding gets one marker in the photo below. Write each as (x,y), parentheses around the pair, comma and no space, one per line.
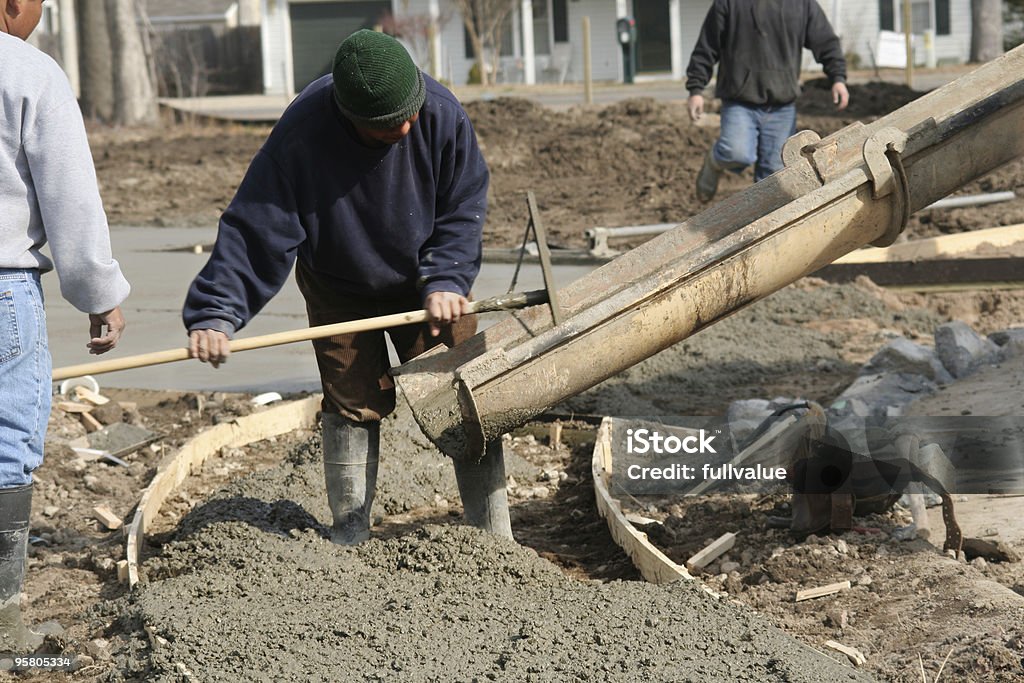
(275,32)
(858,27)
(691,16)
(956,47)
(605,53)
(856,22)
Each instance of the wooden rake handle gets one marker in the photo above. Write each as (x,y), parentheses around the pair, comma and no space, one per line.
(505,302)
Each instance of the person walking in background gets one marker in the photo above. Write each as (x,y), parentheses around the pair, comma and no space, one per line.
(757,45)
(48,195)
(373,183)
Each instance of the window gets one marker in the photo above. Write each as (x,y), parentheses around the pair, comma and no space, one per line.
(890,16)
(560,19)
(886,20)
(942,17)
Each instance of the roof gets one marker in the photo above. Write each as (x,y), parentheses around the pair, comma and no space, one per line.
(187,9)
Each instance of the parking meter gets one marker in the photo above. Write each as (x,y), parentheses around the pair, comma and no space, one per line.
(626,30)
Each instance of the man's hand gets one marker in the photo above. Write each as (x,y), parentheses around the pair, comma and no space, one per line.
(100,341)
(209,346)
(695,105)
(840,95)
(444,308)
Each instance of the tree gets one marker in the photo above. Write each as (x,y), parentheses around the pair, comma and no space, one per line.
(115,70)
(986,30)
(484,21)
(97,82)
(416,30)
(134,96)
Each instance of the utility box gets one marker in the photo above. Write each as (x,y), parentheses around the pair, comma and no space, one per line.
(625,29)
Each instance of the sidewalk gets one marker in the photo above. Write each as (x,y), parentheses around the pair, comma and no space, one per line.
(268,108)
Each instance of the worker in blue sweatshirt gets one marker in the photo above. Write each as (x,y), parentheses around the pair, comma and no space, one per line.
(373,186)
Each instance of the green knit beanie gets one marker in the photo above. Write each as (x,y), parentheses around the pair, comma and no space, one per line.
(376,83)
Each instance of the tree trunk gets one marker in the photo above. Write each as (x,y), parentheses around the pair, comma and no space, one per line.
(986,30)
(95,69)
(134,97)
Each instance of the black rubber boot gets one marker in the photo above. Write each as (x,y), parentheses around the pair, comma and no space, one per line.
(350,471)
(482,488)
(707,178)
(15,507)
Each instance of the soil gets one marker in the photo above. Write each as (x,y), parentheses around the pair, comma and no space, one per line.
(242,584)
(631,163)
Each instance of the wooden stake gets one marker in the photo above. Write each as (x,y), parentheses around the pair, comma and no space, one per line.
(73,407)
(107,518)
(83,394)
(855,655)
(90,422)
(821,591)
(712,551)
(555,435)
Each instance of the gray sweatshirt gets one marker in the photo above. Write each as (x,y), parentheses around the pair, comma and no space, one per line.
(48,190)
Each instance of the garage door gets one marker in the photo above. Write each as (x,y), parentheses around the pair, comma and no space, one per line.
(319,27)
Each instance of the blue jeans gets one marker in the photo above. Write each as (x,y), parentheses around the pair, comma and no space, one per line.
(753,134)
(25,370)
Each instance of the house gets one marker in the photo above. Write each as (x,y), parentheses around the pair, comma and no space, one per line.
(299,36)
(219,15)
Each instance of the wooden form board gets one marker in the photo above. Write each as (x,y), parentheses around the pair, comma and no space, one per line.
(190,457)
(948,272)
(653,564)
(936,247)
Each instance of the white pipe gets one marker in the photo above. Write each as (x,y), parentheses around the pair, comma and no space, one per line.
(972,200)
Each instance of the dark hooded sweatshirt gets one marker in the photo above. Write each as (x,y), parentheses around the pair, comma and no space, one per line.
(376,223)
(758,46)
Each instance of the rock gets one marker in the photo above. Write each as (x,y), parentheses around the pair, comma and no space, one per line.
(98,649)
(81,662)
(991,551)
(841,547)
(109,413)
(548,475)
(50,510)
(1004,337)
(979,562)
(962,350)
(904,356)
(864,580)
(837,619)
(745,417)
(882,395)
(729,567)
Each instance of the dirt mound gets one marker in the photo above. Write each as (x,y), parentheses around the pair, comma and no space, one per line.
(630,163)
(867,100)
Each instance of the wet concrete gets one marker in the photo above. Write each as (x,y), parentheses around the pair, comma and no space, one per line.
(250,589)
